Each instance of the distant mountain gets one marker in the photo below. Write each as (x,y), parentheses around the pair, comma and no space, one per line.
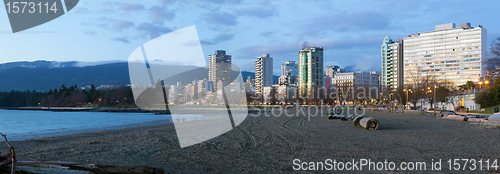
(38,64)
(43,78)
(47,75)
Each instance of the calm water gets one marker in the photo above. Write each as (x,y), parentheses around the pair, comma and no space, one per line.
(24,125)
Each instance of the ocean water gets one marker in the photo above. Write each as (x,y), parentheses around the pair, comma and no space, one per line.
(25,125)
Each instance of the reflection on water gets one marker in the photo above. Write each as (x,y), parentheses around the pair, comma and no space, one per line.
(24,125)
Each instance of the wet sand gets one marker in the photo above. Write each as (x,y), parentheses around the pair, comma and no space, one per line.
(270,144)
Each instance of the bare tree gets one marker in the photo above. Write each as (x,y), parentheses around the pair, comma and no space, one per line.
(421,82)
(493,56)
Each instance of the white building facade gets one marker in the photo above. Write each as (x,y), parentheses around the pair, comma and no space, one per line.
(453,55)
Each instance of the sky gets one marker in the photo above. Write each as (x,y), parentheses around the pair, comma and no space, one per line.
(351,32)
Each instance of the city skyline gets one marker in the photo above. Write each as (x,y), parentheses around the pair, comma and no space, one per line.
(109,31)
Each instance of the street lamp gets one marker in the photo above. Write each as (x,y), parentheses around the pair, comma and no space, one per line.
(409,90)
(435,97)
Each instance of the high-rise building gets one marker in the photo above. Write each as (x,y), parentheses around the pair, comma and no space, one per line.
(219,68)
(332,70)
(289,68)
(450,55)
(392,65)
(263,72)
(289,73)
(310,70)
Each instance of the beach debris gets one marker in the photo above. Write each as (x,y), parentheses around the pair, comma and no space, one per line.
(331,117)
(346,118)
(455,117)
(477,120)
(368,123)
(8,158)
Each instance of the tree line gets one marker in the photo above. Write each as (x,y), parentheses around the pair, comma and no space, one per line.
(71,96)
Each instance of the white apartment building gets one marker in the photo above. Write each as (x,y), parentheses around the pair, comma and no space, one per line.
(453,55)
(347,83)
(263,72)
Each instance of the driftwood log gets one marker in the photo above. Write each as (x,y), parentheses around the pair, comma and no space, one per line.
(368,123)
(455,117)
(77,168)
(9,158)
(494,117)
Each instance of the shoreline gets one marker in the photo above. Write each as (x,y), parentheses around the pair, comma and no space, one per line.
(78,109)
(64,133)
(272,143)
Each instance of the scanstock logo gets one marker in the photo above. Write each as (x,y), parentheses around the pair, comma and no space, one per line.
(170,73)
(25,14)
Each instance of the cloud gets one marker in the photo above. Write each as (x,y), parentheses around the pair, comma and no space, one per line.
(120,39)
(90,32)
(167,2)
(152,30)
(347,22)
(267,34)
(279,48)
(80,10)
(130,7)
(262,10)
(119,6)
(223,1)
(221,18)
(120,25)
(217,39)
(160,14)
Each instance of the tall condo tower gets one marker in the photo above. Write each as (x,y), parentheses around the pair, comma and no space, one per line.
(263,72)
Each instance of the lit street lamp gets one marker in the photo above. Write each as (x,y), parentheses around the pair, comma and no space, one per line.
(409,90)
(435,97)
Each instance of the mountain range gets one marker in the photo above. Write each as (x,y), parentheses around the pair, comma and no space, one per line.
(47,75)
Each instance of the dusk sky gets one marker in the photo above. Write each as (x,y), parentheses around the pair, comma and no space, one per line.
(351,32)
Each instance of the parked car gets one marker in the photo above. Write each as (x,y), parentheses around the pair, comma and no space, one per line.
(446,113)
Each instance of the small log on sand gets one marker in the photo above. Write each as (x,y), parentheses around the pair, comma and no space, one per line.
(368,123)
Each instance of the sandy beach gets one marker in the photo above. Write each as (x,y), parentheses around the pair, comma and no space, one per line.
(270,144)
